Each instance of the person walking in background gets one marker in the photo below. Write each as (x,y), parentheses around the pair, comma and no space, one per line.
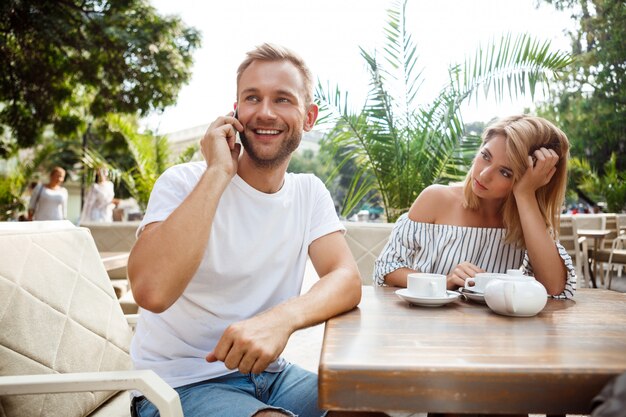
(49,201)
(100,201)
(505,215)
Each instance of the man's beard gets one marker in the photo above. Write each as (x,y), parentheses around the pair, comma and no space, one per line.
(272,161)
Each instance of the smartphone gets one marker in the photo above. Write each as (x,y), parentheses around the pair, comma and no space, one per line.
(239,135)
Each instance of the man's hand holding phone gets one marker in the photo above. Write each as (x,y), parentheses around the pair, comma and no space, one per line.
(219,145)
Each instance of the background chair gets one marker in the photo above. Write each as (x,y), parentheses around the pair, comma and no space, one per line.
(114,237)
(612,254)
(616,257)
(607,253)
(63,329)
(590,222)
(366,241)
(576,247)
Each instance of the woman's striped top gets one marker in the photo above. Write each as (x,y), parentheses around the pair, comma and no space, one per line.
(438,248)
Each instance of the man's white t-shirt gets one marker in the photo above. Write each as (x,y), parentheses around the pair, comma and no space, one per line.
(255,259)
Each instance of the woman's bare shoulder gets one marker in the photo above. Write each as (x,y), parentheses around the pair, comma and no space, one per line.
(432,200)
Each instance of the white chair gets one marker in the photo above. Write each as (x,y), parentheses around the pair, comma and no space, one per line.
(576,247)
(63,331)
(591,222)
(366,241)
(620,220)
(114,237)
(617,257)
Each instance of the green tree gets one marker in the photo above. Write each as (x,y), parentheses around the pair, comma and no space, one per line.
(398,148)
(308,161)
(589,104)
(151,155)
(63,62)
(609,186)
(14,182)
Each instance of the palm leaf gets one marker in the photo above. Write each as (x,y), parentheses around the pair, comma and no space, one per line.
(399,148)
(520,63)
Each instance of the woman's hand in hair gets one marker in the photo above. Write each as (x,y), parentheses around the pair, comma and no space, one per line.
(541,168)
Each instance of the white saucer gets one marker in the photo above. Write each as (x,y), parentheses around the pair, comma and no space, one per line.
(474,296)
(427,301)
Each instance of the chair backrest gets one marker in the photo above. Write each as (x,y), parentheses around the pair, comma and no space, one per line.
(568,238)
(620,219)
(58,314)
(566,234)
(589,221)
(113,237)
(610,224)
(366,241)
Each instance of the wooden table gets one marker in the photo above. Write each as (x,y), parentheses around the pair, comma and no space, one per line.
(462,357)
(114,260)
(597,235)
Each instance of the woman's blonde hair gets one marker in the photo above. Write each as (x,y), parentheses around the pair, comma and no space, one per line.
(524,135)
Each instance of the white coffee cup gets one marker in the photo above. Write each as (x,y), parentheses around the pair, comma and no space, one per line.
(481,280)
(427,285)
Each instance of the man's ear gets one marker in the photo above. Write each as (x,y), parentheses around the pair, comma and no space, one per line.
(311,117)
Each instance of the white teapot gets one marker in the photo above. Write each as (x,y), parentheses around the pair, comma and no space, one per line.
(516,295)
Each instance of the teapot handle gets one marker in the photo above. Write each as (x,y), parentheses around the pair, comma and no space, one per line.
(509,299)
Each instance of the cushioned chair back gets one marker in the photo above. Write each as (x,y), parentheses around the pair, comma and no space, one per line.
(366,241)
(58,314)
(113,237)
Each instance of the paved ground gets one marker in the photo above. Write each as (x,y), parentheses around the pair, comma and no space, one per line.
(304,347)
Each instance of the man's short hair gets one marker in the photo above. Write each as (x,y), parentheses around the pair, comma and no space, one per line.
(270,52)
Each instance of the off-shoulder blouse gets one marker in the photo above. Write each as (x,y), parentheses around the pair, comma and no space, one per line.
(438,248)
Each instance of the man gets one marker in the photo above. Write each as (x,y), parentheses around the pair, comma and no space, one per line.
(219,261)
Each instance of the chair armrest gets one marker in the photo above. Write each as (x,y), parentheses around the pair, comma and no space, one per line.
(618,240)
(157,391)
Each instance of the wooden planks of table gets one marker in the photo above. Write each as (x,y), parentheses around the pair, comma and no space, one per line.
(462,357)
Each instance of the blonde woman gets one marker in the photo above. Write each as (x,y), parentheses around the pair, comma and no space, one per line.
(505,215)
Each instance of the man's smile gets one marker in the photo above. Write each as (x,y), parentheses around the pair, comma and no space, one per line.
(266,131)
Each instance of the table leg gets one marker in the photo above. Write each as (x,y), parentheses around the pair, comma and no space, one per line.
(596,245)
(592,275)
